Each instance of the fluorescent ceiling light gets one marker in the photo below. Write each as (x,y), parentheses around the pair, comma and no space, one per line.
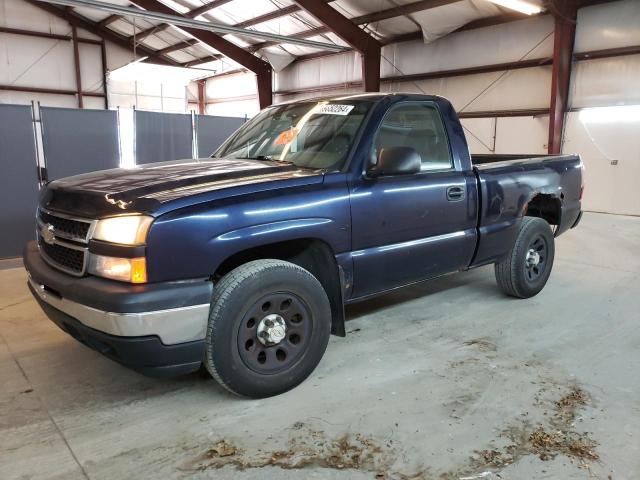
(617,114)
(521,6)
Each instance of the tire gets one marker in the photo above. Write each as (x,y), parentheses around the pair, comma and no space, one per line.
(518,274)
(252,307)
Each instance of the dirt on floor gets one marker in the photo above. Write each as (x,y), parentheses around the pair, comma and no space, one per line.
(557,436)
(307,447)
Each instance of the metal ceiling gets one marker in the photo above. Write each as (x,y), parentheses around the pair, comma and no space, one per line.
(163,30)
(187,22)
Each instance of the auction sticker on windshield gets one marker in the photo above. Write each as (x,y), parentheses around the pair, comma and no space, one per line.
(335,109)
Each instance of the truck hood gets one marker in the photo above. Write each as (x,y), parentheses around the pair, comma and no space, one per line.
(147,188)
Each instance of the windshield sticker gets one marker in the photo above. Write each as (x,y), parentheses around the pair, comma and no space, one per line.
(286,137)
(334,109)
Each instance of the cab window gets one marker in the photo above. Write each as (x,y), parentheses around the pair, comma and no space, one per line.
(417,125)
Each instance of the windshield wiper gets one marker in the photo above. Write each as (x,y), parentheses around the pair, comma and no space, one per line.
(271,159)
(265,158)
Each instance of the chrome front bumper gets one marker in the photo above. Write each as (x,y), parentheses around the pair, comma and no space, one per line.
(172,326)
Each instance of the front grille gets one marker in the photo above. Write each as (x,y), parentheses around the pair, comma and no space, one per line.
(65,227)
(64,258)
(63,240)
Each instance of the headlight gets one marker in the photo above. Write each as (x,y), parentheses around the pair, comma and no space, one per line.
(132,270)
(127,230)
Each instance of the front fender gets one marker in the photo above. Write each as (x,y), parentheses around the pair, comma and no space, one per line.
(194,241)
(236,241)
(259,233)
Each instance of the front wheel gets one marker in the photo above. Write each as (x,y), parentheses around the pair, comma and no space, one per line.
(524,271)
(269,326)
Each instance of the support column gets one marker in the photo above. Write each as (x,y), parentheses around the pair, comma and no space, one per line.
(103,54)
(564,36)
(76,56)
(369,47)
(264,81)
(371,69)
(202,92)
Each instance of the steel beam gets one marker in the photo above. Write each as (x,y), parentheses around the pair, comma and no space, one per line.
(205,8)
(371,69)
(565,14)
(178,46)
(480,23)
(202,101)
(458,72)
(589,55)
(142,34)
(348,31)
(201,60)
(362,19)
(103,58)
(261,68)
(496,67)
(54,91)
(190,14)
(340,25)
(109,20)
(181,20)
(53,36)
(282,12)
(76,64)
(30,33)
(265,88)
(103,32)
(401,10)
(608,52)
(417,35)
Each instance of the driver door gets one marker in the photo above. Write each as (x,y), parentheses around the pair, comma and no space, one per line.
(407,228)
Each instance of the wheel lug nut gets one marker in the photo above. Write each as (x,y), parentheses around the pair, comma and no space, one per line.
(268,323)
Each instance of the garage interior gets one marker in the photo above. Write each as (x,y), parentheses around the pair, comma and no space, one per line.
(448,379)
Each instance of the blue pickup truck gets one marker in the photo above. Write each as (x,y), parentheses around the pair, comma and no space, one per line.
(243,262)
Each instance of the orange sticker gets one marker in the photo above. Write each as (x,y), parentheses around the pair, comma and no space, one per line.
(287,136)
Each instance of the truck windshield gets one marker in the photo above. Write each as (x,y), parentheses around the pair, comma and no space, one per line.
(309,134)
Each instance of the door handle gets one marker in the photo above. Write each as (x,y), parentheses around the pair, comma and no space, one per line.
(455,194)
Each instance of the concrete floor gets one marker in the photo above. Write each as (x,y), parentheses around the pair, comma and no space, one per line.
(449,379)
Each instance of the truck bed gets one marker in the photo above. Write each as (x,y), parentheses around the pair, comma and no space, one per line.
(484,158)
(509,183)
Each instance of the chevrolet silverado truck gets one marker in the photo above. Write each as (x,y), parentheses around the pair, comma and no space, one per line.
(243,262)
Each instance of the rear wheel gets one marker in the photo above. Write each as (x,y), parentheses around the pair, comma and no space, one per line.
(524,271)
(269,326)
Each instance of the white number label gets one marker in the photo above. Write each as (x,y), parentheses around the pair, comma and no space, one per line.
(333,109)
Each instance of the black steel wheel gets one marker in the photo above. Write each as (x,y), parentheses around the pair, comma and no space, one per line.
(536,259)
(275,332)
(269,326)
(524,271)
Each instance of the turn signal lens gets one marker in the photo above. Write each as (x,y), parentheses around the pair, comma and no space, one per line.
(138,270)
(133,270)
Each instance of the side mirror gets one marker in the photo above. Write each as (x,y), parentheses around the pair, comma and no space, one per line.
(396,161)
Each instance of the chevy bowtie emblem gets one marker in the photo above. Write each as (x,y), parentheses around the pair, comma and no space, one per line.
(47,233)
